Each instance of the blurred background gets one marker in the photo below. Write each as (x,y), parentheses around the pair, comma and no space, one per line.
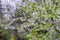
(29,19)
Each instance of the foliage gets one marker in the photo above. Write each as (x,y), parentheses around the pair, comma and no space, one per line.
(47,13)
(43,16)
